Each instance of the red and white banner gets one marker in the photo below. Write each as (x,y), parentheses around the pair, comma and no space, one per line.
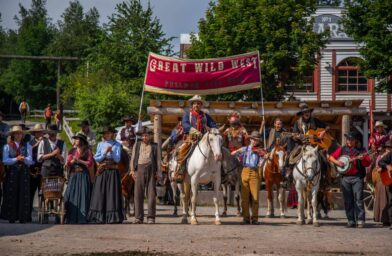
(207,76)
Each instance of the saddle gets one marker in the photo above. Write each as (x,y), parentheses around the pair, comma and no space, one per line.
(182,154)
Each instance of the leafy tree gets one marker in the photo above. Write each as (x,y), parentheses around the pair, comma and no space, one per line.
(281,30)
(369,22)
(77,33)
(132,32)
(33,80)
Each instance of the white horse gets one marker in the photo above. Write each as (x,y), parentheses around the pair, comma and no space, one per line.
(203,166)
(307,174)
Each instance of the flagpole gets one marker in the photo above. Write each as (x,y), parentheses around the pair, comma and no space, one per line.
(262,129)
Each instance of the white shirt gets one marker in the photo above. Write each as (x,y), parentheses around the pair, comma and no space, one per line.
(53,146)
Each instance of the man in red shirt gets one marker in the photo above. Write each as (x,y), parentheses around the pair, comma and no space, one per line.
(352,180)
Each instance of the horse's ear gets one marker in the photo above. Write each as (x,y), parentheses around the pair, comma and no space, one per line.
(316,148)
(208,128)
(277,142)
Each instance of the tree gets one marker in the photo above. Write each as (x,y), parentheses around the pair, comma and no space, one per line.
(33,80)
(76,34)
(132,32)
(370,24)
(281,30)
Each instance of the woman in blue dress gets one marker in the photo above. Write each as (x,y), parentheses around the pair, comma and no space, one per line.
(77,195)
(106,200)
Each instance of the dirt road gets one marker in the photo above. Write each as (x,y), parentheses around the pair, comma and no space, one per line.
(273,237)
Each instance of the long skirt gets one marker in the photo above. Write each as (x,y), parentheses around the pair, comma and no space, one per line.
(77,198)
(106,199)
(292,199)
(16,197)
(380,208)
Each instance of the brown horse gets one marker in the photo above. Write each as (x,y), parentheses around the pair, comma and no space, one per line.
(273,177)
(127,182)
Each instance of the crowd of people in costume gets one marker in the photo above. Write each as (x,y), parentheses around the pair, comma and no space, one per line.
(93,193)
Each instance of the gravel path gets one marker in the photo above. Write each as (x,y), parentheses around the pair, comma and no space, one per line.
(273,237)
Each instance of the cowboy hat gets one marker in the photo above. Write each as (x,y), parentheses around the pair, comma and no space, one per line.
(196,98)
(352,135)
(53,128)
(108,129)
(234,114)
(379,123)
(128,118)
(304,109)
(84,123)
(145,130)
(255,135)
(16,129)
(81,137)
(37,128)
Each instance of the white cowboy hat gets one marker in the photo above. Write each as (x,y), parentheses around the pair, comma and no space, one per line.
(380,123)
(196,98)
(16,129)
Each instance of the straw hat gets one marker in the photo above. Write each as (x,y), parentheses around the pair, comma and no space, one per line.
(37,128)
(16,129)
(196,98)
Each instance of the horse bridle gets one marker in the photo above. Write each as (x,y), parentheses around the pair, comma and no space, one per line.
(208,144)
(316,172)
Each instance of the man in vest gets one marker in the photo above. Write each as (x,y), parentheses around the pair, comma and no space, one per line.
(127,137)
(52,153)
(235,136)
(352,180)
(24,109)
(144,169)
(90,135)
(195,123)
(35,169)
(48,115)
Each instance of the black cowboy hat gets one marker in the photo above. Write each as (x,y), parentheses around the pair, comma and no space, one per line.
(84,123)
(352,135)
(304,109)
(81,137)
(128,118)
(53,128)
(144,130)
(108,129)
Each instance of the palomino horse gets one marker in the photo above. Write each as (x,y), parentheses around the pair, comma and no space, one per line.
(231,168)
(273,177)
(307,174)
(203,166)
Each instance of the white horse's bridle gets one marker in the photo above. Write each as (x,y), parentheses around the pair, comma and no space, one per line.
(208,144)
(315,170)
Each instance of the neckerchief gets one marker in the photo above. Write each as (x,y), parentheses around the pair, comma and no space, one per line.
(198,117)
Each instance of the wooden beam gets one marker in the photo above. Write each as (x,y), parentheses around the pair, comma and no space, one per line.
(257,112)
(158,137)
(345,127)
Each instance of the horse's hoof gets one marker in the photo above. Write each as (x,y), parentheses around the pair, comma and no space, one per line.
(300,222)
(309,221)
(269,215)
(194,222)
(175,214)
(224,214)
(218,222)
(184,220)
(316,224)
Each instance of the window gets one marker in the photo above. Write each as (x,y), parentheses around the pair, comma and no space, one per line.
(349,76)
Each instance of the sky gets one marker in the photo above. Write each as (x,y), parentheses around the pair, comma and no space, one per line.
(176,16)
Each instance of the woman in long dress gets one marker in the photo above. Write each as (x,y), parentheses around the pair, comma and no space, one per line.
(17,156)
(106,200)
(77,195)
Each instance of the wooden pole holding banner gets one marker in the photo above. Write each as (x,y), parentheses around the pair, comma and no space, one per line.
(262,128)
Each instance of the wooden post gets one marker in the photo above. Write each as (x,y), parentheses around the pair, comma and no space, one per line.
(158,137)
(345,127)
(365,135)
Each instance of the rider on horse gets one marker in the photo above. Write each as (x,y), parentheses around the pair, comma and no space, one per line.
(194,123)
